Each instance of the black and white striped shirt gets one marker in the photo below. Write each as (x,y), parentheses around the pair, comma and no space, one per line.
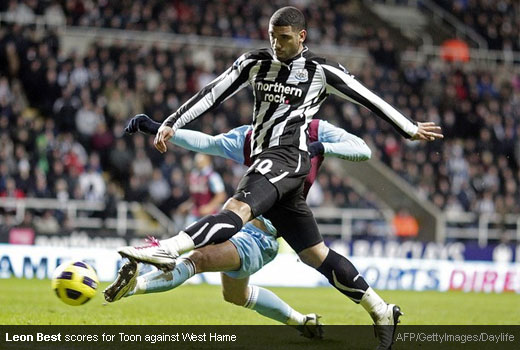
(287,95)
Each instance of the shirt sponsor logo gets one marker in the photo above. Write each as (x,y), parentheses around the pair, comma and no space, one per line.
(277,92)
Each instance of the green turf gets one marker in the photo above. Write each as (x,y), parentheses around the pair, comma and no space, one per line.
(32,302)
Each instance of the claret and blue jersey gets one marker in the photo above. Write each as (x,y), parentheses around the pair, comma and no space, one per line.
(235,145)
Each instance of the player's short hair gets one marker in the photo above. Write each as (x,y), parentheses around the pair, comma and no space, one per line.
(289,16)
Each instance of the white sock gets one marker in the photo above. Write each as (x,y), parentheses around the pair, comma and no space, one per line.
(179,244)
(374,304)
(140,286)
(295,318)
(268,304)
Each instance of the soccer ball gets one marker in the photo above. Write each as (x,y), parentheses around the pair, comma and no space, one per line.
(75,282)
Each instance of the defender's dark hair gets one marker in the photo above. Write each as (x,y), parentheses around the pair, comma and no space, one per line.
(289,16)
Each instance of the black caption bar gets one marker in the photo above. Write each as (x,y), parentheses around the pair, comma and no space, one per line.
(252,337)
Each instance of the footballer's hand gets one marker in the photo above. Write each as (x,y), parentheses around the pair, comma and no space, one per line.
(316,148)
(163,135)
(142,123)
(428,131)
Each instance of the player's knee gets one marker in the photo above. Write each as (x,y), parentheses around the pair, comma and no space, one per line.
(199,260)
(240,208)
(234,297)
(314,256)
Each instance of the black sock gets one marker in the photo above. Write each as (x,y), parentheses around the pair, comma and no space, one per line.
(343,276)
(216,228)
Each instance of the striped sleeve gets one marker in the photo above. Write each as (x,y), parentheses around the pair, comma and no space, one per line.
(213,94)
(344,85)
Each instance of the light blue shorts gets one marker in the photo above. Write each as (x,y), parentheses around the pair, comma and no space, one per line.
(255,248)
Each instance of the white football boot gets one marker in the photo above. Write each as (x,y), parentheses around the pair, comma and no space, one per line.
(151,253)
(125,281)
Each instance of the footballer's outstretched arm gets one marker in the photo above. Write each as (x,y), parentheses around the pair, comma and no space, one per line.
(334,141)
(341,144)
(229,145)
(341,83)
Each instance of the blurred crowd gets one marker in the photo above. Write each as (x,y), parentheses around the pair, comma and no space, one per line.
(330,21)
(498,21)
(62,118)
(476,167)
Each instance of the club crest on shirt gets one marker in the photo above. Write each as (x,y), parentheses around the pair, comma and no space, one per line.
(302,75)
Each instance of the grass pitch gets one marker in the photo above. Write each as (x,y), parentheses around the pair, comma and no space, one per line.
(32,302)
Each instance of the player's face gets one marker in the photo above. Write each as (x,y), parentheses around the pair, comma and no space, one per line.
(202,161)
(286,42)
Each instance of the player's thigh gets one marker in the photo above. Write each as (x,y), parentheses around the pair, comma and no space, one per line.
(274,176)
(296,224)
(255,249)
(218,257)
(255,190)
(235,290)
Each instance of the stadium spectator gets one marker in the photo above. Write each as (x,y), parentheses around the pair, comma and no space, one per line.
(405,225)
(46,223)
(23,232)
(91,182)
(158,188)
(207,191)
(141,165)
(112,197)
(179,194)
(41,189)
(136,190)
(120,160)
(11,191)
